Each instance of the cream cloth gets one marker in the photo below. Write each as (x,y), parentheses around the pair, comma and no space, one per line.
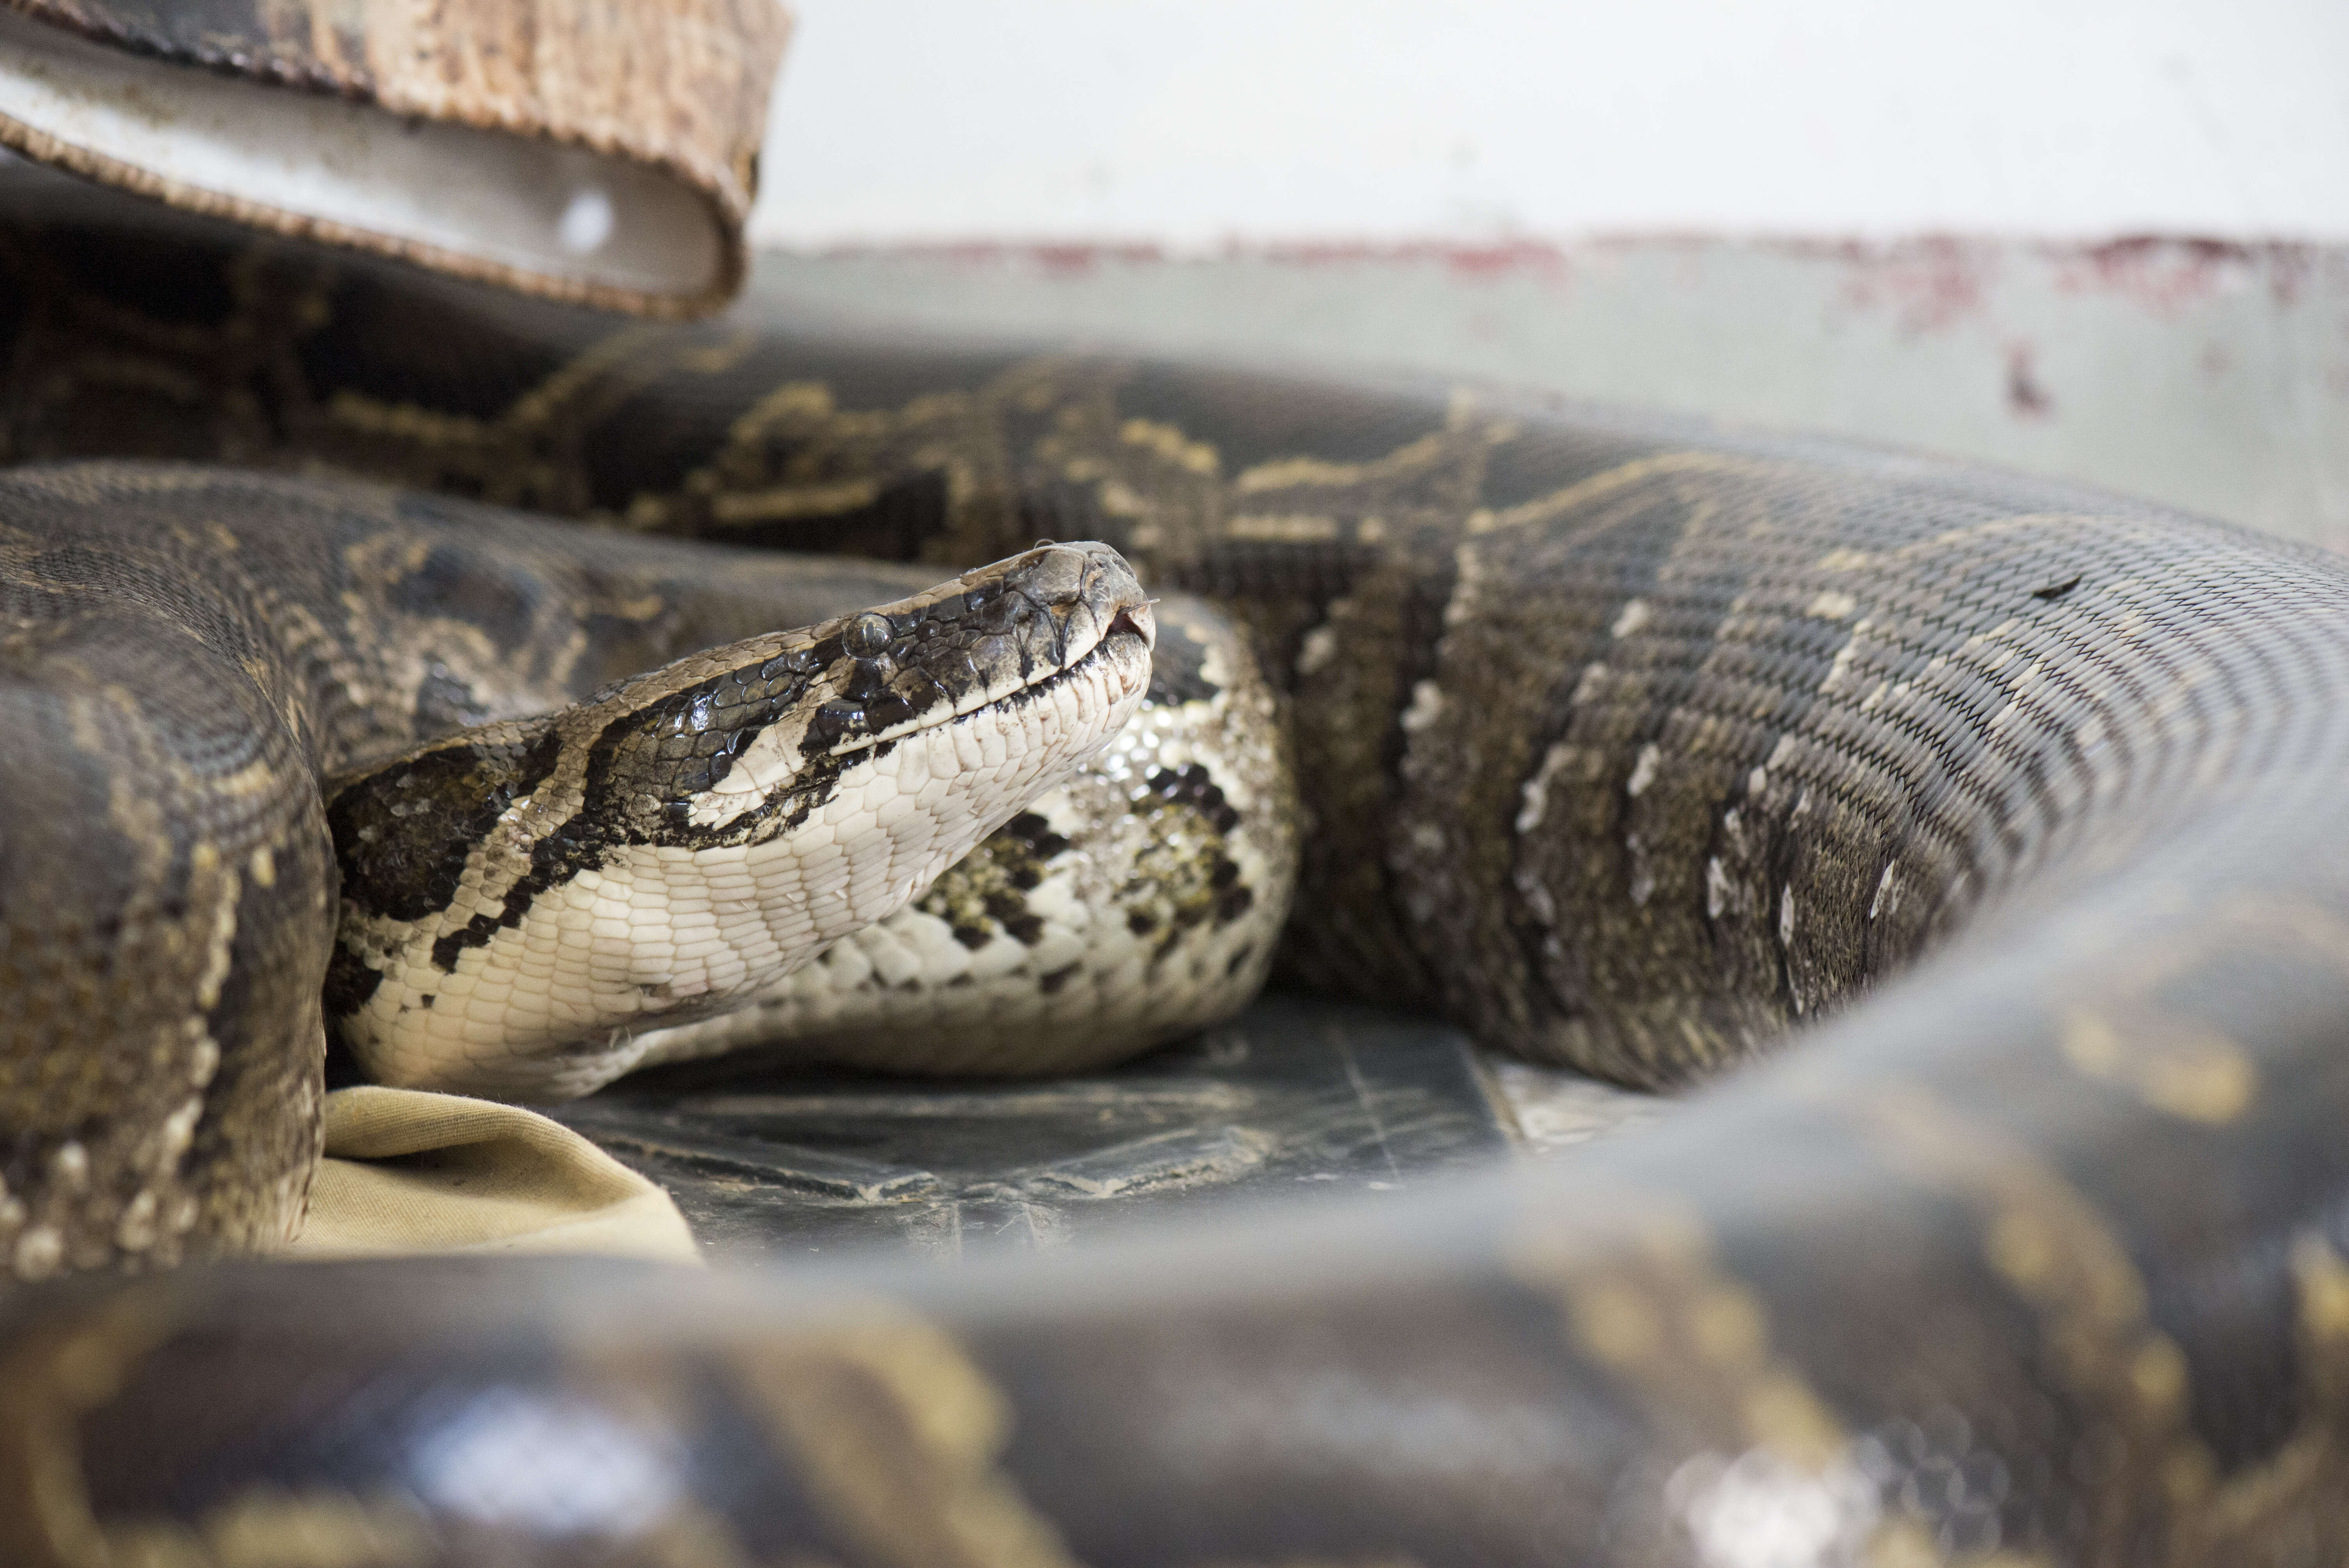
(407,1171)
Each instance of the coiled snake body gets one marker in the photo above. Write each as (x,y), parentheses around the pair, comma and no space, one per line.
(1626,743)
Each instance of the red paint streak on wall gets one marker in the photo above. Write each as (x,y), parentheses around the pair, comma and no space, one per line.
(1931,283)
(1500,259)
(1058,258)
(2169,275)
(1487,261)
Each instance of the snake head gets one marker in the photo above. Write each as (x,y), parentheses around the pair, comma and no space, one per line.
(684,838)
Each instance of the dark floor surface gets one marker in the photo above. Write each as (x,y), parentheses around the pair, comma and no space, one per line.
(1296,1094)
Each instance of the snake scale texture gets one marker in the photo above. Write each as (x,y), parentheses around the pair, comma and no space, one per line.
(1627,743)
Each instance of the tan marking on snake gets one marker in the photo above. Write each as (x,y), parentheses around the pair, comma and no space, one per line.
(2175,1063)
(54,1379)
(2196,1075)
(794,500)
(2056,1252)
(1172,444)
(1291,528)
(1656,1310)
(1611,481)
(899,1431)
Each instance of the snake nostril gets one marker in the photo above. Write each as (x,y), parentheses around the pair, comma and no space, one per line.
(868,634)
(1135,620)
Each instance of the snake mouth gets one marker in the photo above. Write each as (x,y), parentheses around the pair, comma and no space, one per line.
(1120,653)
(993,640)
(1135,621)
(1131,635)
(1131,630)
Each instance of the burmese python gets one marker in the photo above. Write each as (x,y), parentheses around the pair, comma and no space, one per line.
(1627,742)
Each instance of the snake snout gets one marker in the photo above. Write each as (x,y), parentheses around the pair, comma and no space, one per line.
(1088,598)
(1060,574)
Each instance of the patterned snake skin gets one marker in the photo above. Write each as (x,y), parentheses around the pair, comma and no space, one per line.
(1628,743)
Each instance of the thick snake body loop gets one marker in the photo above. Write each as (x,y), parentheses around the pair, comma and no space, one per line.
(1629,743)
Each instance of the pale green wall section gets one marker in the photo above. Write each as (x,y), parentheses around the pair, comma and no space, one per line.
(2213,378)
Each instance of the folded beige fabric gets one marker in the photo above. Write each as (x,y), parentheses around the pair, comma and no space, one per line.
(407,1171)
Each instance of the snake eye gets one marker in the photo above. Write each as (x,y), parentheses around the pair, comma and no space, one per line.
(868,636)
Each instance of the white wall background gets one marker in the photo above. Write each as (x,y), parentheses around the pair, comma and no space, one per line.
(1191,123)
